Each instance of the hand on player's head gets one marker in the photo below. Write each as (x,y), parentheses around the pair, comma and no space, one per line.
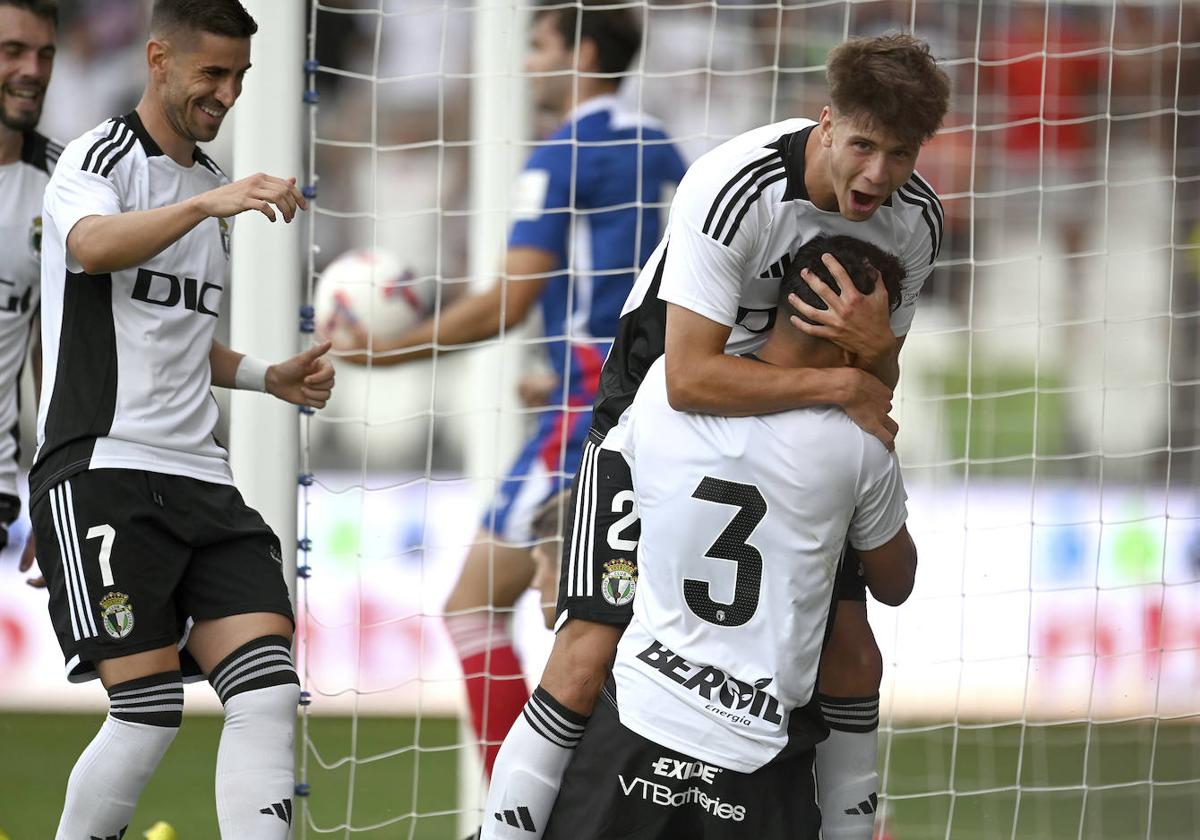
(264,193)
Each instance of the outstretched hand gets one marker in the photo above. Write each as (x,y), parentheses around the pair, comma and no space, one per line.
(855,322)
(28,557)
(260,192)
(304,379)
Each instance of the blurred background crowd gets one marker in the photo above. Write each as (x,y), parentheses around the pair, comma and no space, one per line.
(1062,320)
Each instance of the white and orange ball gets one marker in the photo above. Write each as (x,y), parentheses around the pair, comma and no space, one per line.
(369,291)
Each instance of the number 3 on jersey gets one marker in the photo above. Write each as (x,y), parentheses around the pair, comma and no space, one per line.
(731,545)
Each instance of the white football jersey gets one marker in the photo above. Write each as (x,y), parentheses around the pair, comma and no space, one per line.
(739,215)
(126,380)
(21,187)
(744,521)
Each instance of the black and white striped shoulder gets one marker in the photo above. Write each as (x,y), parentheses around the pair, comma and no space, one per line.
(40,151)
(917,193)
(120,136)
(739,192)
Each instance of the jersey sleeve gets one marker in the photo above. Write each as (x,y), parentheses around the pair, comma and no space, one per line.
(74,194)
(711,236)
(880,508)
(541,201)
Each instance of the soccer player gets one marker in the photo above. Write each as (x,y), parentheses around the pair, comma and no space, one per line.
(712,728)
(156,566)
(707,295)
(582,229)
(28,34)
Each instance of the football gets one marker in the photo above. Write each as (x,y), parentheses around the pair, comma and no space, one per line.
(369,291)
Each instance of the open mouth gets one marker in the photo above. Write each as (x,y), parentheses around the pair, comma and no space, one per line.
(862,201)
(212,113)
(24,94)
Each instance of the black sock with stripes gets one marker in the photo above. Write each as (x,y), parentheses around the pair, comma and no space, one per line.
(144,715)
(847,777)
(258,686)
(529,768)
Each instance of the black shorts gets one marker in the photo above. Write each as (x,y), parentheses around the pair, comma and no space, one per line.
(851,583)
(131,556)
(621,785)
(598,575)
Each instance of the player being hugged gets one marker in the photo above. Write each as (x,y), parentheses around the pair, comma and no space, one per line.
(708,294)
(712,728)
(144,540)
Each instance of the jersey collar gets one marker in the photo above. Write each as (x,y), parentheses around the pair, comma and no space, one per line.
(139,130)
(603,102)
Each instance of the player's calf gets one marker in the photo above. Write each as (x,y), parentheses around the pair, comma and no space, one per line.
(848,686)
(144,715)
(259,689)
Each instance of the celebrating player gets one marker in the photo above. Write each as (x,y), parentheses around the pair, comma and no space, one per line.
(28,33)
(144,540)
(582,231)
(743,524)
(707,295)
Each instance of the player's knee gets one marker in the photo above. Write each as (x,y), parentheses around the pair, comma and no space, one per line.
(579,661)
(262,667)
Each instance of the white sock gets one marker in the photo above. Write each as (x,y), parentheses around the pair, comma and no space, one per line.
(529,769)
(256,775)
(144,716)
(847,774)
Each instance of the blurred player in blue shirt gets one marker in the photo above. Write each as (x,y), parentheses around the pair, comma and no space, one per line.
(587,212)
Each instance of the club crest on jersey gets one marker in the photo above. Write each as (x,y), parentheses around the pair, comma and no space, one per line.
(619,582)
(274,552)
(116,614)
(35,235)
(223,225)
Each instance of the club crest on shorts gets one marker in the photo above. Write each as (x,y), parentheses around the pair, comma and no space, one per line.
(116,614)
(619,582)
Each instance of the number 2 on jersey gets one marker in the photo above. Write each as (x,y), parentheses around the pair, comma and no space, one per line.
(731,545)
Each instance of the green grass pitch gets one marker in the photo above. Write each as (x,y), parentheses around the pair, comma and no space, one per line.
(938,776)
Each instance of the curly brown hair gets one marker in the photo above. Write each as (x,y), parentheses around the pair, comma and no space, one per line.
(891,82)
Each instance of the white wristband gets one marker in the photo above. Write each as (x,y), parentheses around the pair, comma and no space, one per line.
(251,374)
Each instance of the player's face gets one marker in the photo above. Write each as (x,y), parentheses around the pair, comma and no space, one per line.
(866,163)
(26,59)
(548,54)
(201,83)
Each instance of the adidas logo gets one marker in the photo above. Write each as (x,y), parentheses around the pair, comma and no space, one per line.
(117,836)
(520,818)
(283,810)
(867,806)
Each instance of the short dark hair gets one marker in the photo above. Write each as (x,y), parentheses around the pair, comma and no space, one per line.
(859,258)
(617,33)
(893,82)
(227,18)
(46,9)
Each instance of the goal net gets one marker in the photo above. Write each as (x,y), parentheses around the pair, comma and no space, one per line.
(1044,678)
